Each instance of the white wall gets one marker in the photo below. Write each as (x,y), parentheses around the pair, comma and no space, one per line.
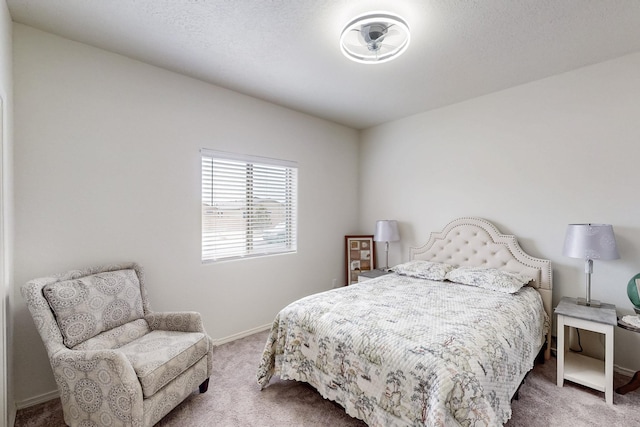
(7,410)
(531,159)
(107,169)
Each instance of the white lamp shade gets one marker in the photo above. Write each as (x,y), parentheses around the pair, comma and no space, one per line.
(590,241)
(386,231)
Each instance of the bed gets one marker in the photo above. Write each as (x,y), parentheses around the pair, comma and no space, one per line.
(444,340)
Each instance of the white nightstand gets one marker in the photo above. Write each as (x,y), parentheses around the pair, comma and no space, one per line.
(576,367)
(371,274)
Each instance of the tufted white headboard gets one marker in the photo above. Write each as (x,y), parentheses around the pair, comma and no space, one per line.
(475,242)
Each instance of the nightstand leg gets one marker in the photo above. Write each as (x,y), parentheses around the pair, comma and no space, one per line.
(560,351)
(608,367)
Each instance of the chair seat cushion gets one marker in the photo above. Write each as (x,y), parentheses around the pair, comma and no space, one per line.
(160,356)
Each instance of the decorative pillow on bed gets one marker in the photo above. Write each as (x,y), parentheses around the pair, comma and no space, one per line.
(489,278)
(424,269)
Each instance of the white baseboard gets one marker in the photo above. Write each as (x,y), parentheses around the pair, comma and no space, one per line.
(623,371)
(241,334)
(35,400)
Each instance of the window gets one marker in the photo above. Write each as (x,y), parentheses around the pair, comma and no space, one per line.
(248,206)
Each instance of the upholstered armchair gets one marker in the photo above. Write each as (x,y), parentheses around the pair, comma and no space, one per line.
(115,361)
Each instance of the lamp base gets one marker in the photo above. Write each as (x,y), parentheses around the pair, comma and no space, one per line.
(592,303)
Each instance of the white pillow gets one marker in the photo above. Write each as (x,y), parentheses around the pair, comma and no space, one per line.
(424,269)
(489,278)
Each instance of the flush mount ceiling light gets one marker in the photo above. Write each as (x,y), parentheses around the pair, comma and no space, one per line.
(374,38)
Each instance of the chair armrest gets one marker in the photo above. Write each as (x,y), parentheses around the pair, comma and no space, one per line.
(182,321)
(94,380)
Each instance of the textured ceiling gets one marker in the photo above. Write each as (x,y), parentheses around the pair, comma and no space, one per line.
(287,52)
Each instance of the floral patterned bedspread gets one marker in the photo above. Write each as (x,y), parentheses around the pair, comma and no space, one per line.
(397,351)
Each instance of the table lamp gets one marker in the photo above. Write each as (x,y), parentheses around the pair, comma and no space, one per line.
(386,231)
(589,242)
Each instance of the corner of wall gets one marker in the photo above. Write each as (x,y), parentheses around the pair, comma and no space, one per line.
(7,408)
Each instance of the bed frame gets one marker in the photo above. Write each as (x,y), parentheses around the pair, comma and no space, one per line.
(475,242)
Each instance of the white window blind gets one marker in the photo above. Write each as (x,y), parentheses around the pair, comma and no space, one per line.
(248,206)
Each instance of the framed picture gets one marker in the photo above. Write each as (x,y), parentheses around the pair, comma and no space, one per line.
(361,256)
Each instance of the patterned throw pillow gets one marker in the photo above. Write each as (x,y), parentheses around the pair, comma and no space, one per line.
(489,278)
(423,269)
(93,304)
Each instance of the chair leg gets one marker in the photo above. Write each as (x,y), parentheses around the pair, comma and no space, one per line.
(204,386)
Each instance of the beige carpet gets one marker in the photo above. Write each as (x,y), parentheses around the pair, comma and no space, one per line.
(234,399)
